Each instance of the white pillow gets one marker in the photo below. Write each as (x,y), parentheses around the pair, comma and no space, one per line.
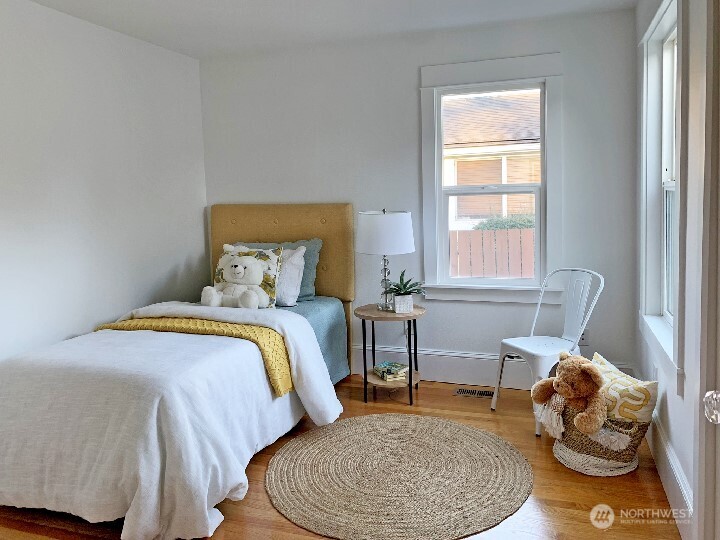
(292,265)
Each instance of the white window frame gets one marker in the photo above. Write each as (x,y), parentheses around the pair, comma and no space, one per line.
(659,168)
(543,71)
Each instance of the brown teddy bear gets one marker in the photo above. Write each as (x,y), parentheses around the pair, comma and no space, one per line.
(579,381)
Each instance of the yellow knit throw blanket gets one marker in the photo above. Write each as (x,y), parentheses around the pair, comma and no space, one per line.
(271,344)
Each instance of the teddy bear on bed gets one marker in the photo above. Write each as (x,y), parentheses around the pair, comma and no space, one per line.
(578,381)
(237,282)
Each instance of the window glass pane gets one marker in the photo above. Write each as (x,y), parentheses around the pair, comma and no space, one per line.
(524,168)
(479,171)
(492,236)
(669,109)
(669,296)
(673,135)
(491,137)
(473,208)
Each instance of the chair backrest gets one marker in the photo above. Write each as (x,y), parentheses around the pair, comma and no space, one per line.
(577,291)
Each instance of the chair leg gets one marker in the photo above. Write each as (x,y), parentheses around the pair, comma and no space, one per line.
(501,365)
(538,424)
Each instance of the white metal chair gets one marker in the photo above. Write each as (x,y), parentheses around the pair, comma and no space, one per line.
(543,352)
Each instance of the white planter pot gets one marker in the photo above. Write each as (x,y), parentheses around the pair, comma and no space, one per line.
(403,304)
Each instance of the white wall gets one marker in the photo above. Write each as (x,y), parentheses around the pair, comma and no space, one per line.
(102,187)
(341,122)
(644,13)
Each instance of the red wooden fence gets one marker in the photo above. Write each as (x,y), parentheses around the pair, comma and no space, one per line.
(502,253)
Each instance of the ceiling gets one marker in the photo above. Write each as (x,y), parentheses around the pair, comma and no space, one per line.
(204,28)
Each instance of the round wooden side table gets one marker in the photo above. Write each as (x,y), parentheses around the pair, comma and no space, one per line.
(370,312)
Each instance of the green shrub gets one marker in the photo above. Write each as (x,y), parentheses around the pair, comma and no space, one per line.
(516,221)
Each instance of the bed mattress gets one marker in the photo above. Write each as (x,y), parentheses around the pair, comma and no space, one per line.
(154,426)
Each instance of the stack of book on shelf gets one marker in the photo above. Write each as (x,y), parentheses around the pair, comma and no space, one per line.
(391,371)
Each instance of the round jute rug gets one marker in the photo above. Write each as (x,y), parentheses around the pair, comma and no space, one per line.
(398,477)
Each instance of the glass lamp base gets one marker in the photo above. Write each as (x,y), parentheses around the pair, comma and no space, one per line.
(386,298)
(385,306)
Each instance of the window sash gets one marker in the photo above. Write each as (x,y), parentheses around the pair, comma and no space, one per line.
(444,233)
(489,189)
(443,193)
(669,251)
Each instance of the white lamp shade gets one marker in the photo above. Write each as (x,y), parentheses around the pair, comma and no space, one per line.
(384,233)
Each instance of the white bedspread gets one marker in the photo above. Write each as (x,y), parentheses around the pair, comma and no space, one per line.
(157,427)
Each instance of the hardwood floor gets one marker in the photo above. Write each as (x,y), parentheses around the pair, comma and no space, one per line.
(559,507)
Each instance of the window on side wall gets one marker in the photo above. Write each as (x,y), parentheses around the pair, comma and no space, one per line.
(660,177)
(668,178)
(486,164)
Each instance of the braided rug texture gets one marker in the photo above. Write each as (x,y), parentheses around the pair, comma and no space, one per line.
(398,477)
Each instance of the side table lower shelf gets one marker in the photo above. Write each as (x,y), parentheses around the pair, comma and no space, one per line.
(374,380)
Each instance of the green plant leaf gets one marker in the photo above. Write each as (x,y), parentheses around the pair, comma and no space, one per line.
(405,286)
(514,221)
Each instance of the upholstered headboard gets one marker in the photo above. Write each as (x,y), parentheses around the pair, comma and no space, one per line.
(332,223)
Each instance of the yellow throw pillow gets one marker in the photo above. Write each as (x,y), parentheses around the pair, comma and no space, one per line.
(627,398)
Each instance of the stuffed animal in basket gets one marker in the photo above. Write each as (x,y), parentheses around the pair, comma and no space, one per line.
(579,382)
(237,283)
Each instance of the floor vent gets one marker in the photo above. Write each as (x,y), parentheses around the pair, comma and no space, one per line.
(472,392)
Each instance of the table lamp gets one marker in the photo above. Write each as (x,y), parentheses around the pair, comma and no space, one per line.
(384,233)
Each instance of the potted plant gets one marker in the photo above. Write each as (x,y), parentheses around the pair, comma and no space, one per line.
(402,292)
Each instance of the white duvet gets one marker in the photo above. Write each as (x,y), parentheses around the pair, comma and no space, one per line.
(154,426)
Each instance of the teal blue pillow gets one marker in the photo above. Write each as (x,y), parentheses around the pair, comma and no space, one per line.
(312,257)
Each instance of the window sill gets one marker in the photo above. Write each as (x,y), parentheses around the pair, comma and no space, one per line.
(489,293)
(658,333)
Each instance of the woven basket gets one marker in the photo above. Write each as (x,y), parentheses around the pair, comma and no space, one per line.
(578,452)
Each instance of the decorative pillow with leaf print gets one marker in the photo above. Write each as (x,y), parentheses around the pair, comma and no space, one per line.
(247,278)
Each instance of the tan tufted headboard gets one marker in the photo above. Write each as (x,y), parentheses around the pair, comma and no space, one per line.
(332,223)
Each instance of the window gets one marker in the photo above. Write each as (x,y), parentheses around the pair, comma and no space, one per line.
(669,176)
(491,183)
(491,175)
(660,178)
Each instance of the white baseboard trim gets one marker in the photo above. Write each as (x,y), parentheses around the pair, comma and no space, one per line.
(459,367)
(676,484)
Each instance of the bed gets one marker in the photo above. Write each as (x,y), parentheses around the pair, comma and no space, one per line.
(158,427)
(334,224)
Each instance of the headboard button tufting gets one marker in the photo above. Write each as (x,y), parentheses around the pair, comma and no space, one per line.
(332,223)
